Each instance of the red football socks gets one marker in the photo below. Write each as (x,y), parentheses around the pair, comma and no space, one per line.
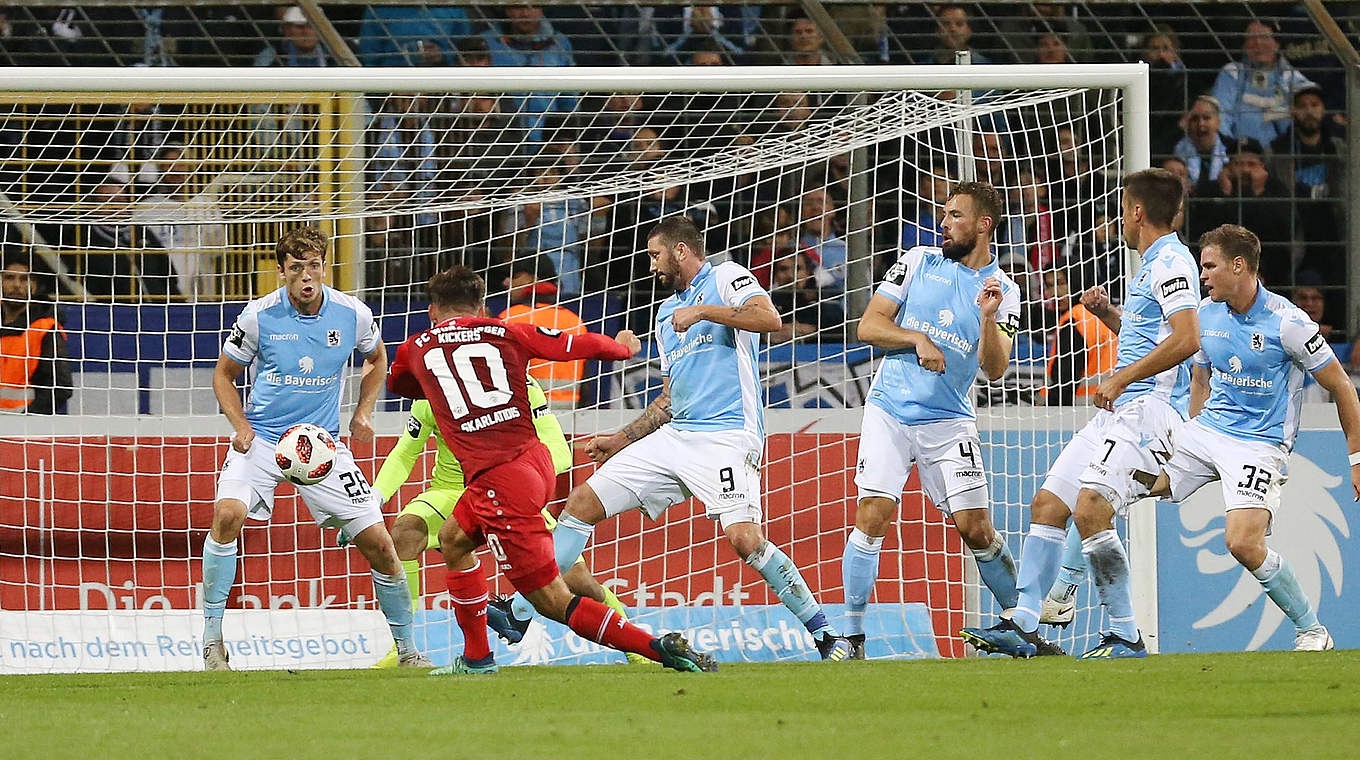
(469,592)
(596,622)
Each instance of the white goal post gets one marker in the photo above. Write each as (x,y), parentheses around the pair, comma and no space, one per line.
(388,163)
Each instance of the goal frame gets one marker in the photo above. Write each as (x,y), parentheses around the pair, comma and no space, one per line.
(1131,79)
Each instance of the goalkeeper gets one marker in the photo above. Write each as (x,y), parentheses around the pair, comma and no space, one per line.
(416,529)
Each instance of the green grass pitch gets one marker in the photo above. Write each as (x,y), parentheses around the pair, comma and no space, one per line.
(1179,706)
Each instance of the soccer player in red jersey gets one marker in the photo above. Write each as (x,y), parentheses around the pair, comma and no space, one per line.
(472,369)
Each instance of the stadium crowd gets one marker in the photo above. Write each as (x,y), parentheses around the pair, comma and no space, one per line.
(1257,136)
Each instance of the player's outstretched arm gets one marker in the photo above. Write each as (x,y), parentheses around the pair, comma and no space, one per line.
(657,413)
(1097,301)
(1334,378)
(1180,345)
(401,460)
(545,343)
(224,387)
(878,327)
(756,314)
(1199,388)
(370,385)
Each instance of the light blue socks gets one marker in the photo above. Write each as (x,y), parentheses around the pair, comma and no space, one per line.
(1110,575)
(1277,576)
(219,572)
(788,584)
(569,540)
(996,567)
(394,599)
(859,573)
(1038,567)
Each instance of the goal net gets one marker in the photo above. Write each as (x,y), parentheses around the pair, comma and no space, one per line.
(148,215)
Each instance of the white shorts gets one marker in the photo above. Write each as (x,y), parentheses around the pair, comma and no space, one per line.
(343,500)
(947,454)
(1252,473)
(719,468)
(1105,455)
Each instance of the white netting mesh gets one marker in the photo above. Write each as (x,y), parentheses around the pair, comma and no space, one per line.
(158,213)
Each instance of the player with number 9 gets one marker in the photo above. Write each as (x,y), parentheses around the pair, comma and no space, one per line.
(299,339)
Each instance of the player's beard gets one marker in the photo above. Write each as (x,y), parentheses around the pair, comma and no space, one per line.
(957,249)
(668,281)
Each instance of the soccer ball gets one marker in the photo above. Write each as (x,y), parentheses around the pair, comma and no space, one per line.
(305,454)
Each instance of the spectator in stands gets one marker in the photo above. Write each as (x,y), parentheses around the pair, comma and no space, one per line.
(1309,298)
(1096,256)
(1051,48)
(1081,349)
(1255,92)
(1176,165)
(701,27)
(645,149)
(35,376)
(1168,88)
(772,230)
(989,158)
(554,228)
(1204,149)
(1071,183)
(707,54)
(1311,154)
(473,51)
(822,235)
(953,34)
(791,111)
(1029,224)
(301,45)
(189,224)
(920,218)
(794,292)
(807,46)
(1025,33)
(525,38)
(1311,160)
(403,143)
(411,35)
(122,258)
(533,300)
(480,143)
(1246,194)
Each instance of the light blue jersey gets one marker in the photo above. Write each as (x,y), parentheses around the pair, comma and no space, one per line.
(714,377)
(298,362)
(938,296)
(1167,282)
(1258,361)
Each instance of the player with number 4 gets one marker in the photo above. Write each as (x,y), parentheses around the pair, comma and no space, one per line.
(940,314)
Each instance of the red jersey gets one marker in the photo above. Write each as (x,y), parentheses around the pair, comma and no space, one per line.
(473,370)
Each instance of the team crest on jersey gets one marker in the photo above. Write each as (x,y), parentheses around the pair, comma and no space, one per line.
(946,317)
(413,426)
(1234,364)
(332,338)
(1258,342)
(306,364)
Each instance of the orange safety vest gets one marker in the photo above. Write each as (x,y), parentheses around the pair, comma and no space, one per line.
(1101,347)
(19,357)
(560,380)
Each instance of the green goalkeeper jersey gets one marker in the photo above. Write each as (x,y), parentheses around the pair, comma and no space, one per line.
(448,472)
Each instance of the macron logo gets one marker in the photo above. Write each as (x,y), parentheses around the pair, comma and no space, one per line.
(306,365)
(946,318)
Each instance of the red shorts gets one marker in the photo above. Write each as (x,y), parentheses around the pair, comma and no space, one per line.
(501,508)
